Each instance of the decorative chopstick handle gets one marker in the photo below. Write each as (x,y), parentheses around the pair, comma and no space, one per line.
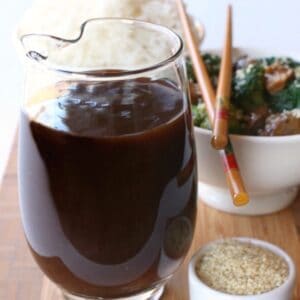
(220,129)
(233,176)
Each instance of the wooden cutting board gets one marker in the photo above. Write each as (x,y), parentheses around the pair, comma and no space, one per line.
(21,279)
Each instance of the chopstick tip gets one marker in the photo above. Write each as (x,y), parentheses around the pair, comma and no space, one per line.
(229,11)
(241,199)
(219,142)
(179,2)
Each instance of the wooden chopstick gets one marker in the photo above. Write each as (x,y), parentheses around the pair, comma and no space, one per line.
(220,129)
(233,177)
(203,80)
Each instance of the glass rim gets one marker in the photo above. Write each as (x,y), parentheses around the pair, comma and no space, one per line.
(92,73)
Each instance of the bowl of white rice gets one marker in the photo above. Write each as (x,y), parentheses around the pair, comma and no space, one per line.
(64,18)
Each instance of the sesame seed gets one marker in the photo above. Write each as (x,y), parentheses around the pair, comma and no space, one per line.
(241,268)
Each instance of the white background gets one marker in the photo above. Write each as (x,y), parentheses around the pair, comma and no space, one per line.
(263,23)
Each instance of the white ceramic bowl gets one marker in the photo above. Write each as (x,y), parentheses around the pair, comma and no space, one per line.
(199,290)
(270,166)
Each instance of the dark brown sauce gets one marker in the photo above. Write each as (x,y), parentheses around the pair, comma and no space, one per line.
(108,186)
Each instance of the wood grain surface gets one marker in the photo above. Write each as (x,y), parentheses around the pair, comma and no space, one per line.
(21,279)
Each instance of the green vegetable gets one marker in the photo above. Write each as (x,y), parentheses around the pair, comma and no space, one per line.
(200,116)
(213,64)
(236,123)
(286,99)
(287,61)
(190,72)
(248,87)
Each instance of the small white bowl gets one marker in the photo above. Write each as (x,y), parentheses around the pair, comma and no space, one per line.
(269,165)
(199,290)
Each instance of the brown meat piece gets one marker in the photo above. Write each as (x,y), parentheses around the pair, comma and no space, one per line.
(277,76)
(195,93)
(255,120)
(286,123)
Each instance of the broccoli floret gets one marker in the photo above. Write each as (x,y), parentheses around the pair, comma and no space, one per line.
(200,116)
(236,124)
(267,61)
(290,62)
(196,116)
(286,99)
(190,72)
(248,87)
(287,61)
(213,63)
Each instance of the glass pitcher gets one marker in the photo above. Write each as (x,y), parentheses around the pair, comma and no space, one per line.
(107,163)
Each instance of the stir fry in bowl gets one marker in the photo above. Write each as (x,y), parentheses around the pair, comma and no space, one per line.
(265,97)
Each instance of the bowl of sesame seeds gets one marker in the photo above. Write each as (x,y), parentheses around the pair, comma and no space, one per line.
(241,268)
